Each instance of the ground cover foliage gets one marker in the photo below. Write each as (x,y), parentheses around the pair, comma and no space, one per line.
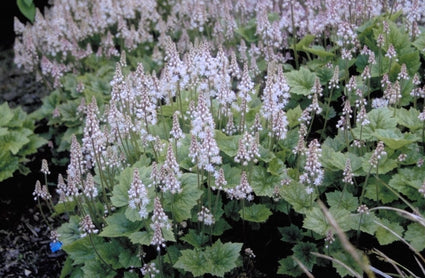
(193,128)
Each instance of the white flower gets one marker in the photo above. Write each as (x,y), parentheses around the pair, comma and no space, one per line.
(138,195)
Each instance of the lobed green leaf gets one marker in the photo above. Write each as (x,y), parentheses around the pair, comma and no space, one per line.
(255,213)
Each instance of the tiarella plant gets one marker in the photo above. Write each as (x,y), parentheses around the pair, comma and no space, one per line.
(18,141)
(300,111)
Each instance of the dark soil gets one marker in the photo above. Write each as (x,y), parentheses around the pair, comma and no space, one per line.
(24,235)
(17,87)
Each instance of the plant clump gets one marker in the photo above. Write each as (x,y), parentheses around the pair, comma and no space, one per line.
(205,123)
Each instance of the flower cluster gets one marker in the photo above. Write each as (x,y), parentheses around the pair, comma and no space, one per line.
(248,149)
(377,154)
(313,170)
(347,173)
(173,137)
(87,227)
(138,195)
(44,167)
(159,222)
(41,192)
(205,216)
(149,269)
(241,191)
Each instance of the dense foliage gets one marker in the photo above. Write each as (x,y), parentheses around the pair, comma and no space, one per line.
(18,141)
(203,127)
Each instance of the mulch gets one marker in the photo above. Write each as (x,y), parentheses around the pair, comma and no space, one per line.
(24,235)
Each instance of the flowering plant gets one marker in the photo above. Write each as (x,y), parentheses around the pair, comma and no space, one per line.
(176,173)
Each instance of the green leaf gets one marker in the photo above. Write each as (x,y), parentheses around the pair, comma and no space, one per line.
(96,269)
(383,193)
(81,250)
(256,213)
(366,222)
(407,181)
(385,164)
(128,257)
(296,195)
(262,182)
(302,251)
(415,236)
(317,222)
(132,214)
(68,206)
(128,274)
(27,8)
(31,147)
(291,234)
(142,238)
(394,139)
(227,144)
(194,238)
(193,261)
(3,131)
(398,38)
(182,154)
(406,87)
(232,175)
(145,237)
(287,266)
(173,253)
(384,236)
(181,204)
(69,112)
(15,140)
(220,226)
(419,43)
(345,258)
(288,145)
(64,141)
(331,159)
(300,82)
(325,74)
(120,192)
(69,231)
(337,143)
(409,118)
(118,225)
(380,118)
(344,200)
(248,31)
(77,272)
(411,58)
(318,51)
(110,252)
(8,164)
(276,167)
(293,115)
(223,257)
(304,42)
(265,154)
(66,268)
(216,259)
(6,114)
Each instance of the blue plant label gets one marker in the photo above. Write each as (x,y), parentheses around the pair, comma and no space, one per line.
(55,246)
